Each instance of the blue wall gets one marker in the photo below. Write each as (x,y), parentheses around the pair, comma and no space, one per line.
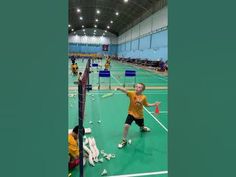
(152,47)
(92,48)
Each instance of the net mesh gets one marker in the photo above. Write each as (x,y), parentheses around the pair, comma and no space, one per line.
(84,80)
(82,89)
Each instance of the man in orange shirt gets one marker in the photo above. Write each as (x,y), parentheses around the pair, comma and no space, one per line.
(135,112)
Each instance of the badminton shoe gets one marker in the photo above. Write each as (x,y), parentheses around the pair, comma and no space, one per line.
(122,143)
(145,129)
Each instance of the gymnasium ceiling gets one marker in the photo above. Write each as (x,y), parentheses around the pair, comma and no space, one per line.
(130,13)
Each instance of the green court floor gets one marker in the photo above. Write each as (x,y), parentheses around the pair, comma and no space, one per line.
(148,151)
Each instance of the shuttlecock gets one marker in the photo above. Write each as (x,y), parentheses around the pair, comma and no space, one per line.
(104,172)
(96,159)
(129,141)
(86,141)
(113,156)
(90,122)
(99,121)
(100,160)
(108,157)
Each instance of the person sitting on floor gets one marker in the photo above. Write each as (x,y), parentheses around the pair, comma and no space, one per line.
(73,148)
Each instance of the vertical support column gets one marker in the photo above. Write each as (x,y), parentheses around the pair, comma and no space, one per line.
(151,32)
(139,39)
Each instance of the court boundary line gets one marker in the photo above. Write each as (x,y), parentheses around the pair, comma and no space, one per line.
(141,174)
(156,119)
(116,79)
(145,69)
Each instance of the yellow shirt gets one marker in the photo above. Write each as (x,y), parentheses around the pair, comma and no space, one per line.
(106,66)
(73,146)
(136,104)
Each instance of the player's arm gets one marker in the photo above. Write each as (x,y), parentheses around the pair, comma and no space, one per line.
(153,104)
(145,103)
(122,89)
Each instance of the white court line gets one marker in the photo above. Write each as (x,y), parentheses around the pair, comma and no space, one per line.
(116,79)
(162,78)
(133,66)
(142,174)
(156,119)
(144,70)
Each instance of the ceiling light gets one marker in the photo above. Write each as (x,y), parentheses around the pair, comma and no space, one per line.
(81,18)
(82,26)
(105,31)
(94,30)
(72,29)
(95,26)
(117,13)
(98,11)
(69,26)
(126,0)
(111,21)
(108,27)
(78,10)
(83,29)
(96,20)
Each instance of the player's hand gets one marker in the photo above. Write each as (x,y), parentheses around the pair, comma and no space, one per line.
(157,103)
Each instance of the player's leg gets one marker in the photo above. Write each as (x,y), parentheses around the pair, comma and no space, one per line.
(128,122)
(140,123)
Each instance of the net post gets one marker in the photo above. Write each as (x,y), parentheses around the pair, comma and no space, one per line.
(89,63)
(80,103)
(82,87)
(110,83)
(124,83)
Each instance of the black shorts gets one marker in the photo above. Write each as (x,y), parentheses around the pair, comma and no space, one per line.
(130,119)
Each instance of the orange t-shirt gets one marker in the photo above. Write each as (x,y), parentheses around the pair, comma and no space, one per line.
(136,104)
(73,147)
